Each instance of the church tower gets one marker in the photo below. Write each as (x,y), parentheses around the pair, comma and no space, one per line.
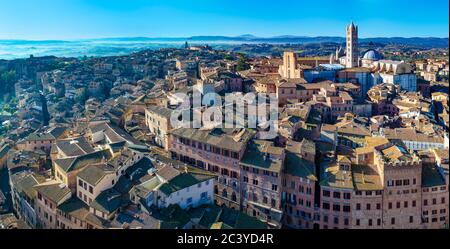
(290,68)
(352,59)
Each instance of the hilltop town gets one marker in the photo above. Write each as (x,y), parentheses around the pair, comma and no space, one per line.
(362,141)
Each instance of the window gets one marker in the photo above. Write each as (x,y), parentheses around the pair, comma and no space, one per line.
(336,220)
(414,203)
(326,193)
(326,206)
(301,189)
(443,200)
(255,182)
(406,204)
(325,218)
(358,206)
(225,172)
(378,206)
(337,195)
(91,190)
(245,179)
(398,204)
(358,222)
(346,222)
(346,208)
(370,222)
(378,222)
(425,202)
(411,219)
(406,182)
(204,195)
(347,196)
(274,187)
(368,206)
(80,183)
(392,221)
(336,207)
(189,200)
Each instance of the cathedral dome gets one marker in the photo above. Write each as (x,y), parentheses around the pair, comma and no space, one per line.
(372,55)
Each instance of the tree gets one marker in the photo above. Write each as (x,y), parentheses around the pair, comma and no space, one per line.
(242,63)
(228,57)
(7,81)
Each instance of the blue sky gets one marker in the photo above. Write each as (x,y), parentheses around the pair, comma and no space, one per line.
(78,19)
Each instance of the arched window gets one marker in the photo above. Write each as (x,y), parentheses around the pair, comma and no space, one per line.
(234,197)
(224,193)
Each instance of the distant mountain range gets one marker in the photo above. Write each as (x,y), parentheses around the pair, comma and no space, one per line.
(12,49)
(418,41)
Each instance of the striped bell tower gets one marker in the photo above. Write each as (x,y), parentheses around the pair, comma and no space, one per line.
(352,59)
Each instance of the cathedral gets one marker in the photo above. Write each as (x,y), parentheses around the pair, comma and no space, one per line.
(372,69)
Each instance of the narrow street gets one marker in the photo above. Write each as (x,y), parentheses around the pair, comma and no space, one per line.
(5,188)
